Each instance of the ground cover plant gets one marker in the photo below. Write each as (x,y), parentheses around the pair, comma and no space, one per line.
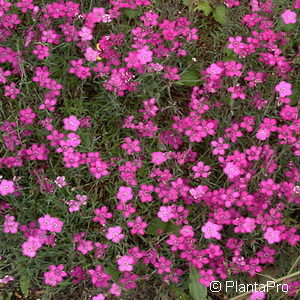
(149,148)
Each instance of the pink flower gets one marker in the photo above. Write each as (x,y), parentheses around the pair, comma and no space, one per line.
(71,123)
(272,236)
(10,225)
(187,231)
(51,224)
(138,226)
(85,33)
(263,134)
(284,89)
(91,54)
(101,215)
(60,181)
(115,290)
(144,55)
(231,170)
(99,297)
(114,234)
(131,146)
(201,170)
(31,246)
(289,17)
(125,263)
(124,194)
(84,246)
(99,277)
(165,213)
(211,230)
(55,275)
(257,296)
(163,265)
(6,187)
(158,158)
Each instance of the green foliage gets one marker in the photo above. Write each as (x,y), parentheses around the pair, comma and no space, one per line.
(205,7)
(156,226)
(191,77)
(219,14)
(24,285)
(131,13)
(198,291)
(218,11)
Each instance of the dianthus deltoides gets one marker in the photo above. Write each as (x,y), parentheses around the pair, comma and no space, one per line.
(163,179)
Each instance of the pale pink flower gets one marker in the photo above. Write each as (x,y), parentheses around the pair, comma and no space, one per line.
(114,234)
(125,263)
(71,123)
(91,54)
(284,89)
(124,194)
(272,236)
(289,17)
(6,187)
(158,158)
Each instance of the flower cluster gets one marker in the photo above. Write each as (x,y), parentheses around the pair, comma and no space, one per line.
(175,186)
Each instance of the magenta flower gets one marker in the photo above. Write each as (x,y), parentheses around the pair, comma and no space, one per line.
(211,230)
(163,265)
(131,146)
(137,226)
(99,297)
(99,277)
(257,296)
(102,215)
(231,170)
(115,290)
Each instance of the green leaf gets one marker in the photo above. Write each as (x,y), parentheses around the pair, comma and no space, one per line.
(8,296)
(288,27)
(113,271)
(220,14)
(131,13)
(172,228)
(24,285)
(191,77)
(295,96)
(180,293)
(205,7)
(190,3)
(155,226)
(198,291)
